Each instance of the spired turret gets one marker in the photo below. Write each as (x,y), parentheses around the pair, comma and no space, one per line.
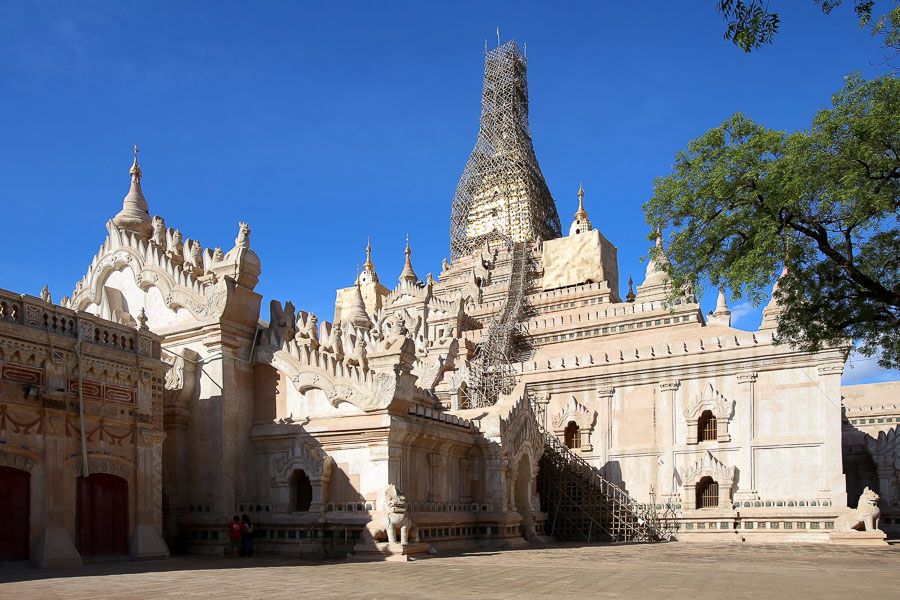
(502,196)
(135,215)
(367,288)
(408,276)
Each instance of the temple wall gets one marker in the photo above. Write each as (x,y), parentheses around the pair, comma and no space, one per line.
(40,431)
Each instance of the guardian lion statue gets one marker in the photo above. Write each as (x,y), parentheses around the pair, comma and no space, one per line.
(863,518)
(395,518)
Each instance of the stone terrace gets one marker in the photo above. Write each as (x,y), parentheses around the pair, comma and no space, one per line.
(635,571)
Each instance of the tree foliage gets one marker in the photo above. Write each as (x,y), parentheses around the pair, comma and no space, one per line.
(743,200)
(750,24)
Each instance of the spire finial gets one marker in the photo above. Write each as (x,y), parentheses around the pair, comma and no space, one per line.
(135,167)
(629,297)
(135,216)
(368,274)
(581,223)
(659,236)
(498,36)
(580,212)
(408,275)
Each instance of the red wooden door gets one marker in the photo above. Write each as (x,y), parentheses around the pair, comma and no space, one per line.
(102,515)
(14,506)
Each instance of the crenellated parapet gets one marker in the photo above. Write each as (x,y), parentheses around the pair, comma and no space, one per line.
(367,368)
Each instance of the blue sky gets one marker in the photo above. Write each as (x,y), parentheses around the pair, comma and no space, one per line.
(323,123)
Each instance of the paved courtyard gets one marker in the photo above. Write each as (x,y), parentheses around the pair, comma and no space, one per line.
(666,571)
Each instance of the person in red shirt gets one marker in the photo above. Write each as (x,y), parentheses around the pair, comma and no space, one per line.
(235,528)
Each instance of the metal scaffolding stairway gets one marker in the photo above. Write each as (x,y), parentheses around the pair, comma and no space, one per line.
(582,505)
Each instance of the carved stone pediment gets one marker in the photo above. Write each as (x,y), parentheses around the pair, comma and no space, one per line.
(573,410)
(720,406)
(711,399)
(710,466)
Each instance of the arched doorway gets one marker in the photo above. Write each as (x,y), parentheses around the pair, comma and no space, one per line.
(102,515)
(15,504)
(523,496)
(301,491)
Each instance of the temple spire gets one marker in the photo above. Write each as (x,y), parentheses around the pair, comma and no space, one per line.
(773,309)
(581,224)
(368,274)
(722,314)
(135,216)
(408,275)
(356,311)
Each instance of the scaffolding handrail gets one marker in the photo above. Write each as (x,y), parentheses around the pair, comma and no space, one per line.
(641,520)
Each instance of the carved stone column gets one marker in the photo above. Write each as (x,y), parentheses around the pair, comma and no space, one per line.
(667,416)
(746,418)
(604,422)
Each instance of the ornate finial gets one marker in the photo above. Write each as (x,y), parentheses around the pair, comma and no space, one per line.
(45,294)
(629,297)
(408,275)
(498,36)
(581,223)
(368,274)
(659,236)
(142,320)
(580,213)
(368,266)
(135,167)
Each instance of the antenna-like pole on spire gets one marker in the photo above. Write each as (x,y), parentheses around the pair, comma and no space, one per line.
(136,151)
(498,36)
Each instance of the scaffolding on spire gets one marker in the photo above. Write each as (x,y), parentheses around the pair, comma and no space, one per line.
(501,196)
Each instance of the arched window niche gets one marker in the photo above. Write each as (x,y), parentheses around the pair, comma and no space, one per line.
(710,482)
(706,427)
(571,436)
(707,493)
(301,491)
(572,423)
(708,417)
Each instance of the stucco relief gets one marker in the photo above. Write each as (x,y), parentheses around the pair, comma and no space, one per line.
(583,417)
(710,466)
(720,406)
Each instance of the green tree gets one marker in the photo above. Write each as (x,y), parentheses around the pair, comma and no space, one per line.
(743,200)
(750,24)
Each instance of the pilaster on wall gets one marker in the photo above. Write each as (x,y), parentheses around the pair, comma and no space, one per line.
(55,546)
(223,393)
(746,485)
(604,406)
(667,479)
(832,482)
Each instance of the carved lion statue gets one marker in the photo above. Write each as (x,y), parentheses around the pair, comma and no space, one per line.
(863,518)
(395,518)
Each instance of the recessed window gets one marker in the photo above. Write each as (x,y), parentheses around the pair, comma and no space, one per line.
(706,427)
(707,493)
(301,490)
(571,437)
